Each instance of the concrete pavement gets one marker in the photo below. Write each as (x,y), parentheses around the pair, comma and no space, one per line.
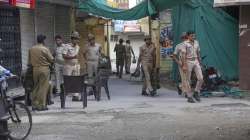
(129,116)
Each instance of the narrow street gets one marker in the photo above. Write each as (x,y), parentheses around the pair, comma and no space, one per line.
(129,116)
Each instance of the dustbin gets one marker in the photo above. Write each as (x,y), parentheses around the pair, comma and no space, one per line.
(3,122)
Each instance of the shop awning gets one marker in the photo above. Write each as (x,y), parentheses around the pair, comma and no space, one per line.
(145,8)
(216,31)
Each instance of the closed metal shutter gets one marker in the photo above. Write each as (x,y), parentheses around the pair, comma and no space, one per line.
(10,43)
(44,21)
(63,21)
(27,33)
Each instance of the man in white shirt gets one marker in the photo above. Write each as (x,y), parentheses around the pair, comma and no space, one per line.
(59,62)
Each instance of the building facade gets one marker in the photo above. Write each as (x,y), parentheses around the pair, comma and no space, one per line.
(244,38)
(20,26)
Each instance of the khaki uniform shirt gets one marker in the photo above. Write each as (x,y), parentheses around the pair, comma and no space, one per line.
(93,52)
(191,50)
(147,54)
(40,56)
(71,51)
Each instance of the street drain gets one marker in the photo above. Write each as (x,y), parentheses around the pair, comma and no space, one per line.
(230,105)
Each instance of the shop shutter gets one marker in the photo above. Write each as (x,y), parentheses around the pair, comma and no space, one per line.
(63,21)
(10,43)
(27,33)
(44,21)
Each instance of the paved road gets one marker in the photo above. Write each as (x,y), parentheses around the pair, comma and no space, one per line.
(129,116)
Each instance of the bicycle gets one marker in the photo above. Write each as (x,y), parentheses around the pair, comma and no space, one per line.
(20,119)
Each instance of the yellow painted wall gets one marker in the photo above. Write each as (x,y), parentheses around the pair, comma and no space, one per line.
(91,26)
(156,39)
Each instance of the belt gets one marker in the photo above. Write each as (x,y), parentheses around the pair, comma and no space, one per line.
(92,60)
(192,59)
(40,66)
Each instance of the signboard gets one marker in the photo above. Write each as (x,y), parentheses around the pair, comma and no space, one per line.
(5,1)
(165,52)
(131,26)
(20,3)
(126,26)
(118,25)
(219,3)
(24,3)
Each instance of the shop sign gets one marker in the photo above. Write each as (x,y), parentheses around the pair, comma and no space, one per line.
(24,3)
(20,3)
(4,1)
(219,3)
(132,26)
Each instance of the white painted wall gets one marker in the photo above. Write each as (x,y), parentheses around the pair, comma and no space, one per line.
(136,44)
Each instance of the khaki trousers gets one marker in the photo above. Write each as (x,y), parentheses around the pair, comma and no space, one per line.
(41,87)
(59,76)
(185,86)
(148,70)
(92,68)
(195,65)
(71,70)
(128,63)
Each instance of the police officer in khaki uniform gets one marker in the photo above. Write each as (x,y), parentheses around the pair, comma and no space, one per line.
(70,55)
(71,63)
(40,59)
(191,62)
(147,59)
(177,57)
(93,53)
(120,57)
(129,50)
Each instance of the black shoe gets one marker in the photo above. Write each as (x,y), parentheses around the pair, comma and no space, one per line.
(75,99)
(50,102)
(43,109)
(34,109)
(40,109)
(179,90)
(91,92)
(190,100)
(144,93)
(185,95)
(153,93)
(197,96)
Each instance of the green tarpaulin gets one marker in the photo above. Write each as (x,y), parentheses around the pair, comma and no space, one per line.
(142,10)
(145,8)
(216,31)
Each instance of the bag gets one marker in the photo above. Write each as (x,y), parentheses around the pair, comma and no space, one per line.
(104,62)
(137,73)
(134,61)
